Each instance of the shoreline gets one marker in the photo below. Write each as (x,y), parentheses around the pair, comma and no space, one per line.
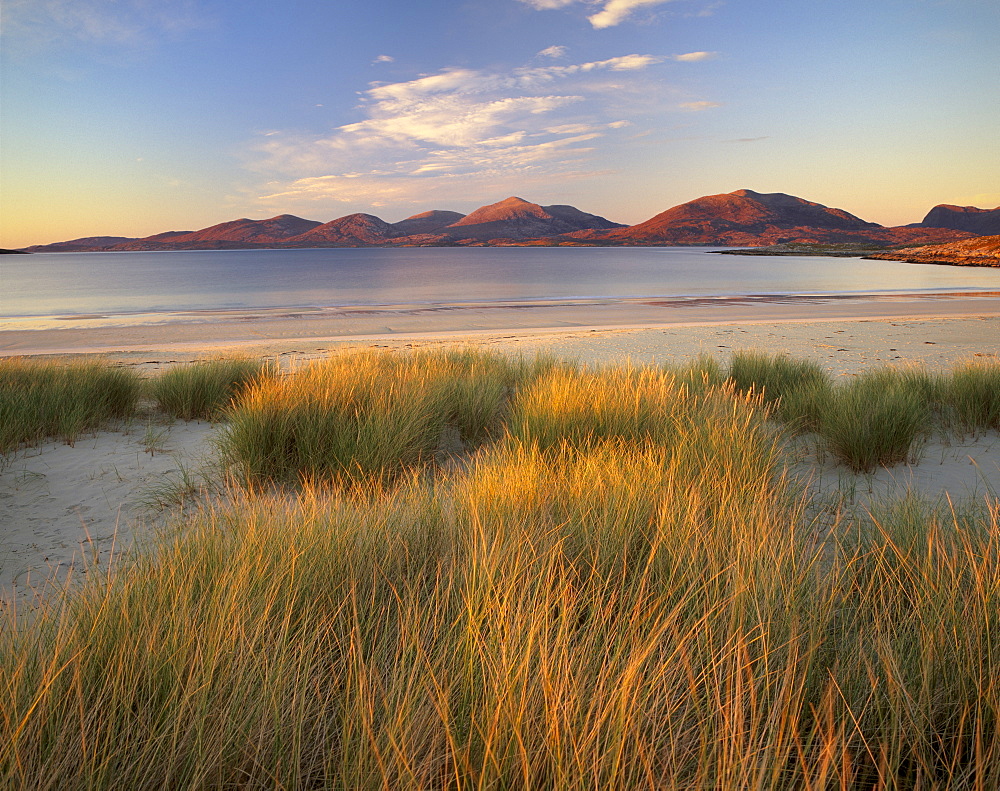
(543,324)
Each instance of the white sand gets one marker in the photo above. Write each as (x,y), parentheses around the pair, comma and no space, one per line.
(843,346)
(315,330)
(59,503)
(942,469)
(67,510)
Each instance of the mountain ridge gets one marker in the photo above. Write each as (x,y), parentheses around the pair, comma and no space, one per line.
(515,218)
(743,218)
(985,222)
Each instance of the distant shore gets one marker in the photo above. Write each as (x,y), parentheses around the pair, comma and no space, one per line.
(844,250)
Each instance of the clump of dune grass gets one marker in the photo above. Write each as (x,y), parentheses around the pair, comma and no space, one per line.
(799,390)
(477,387)
(972,392)
(204,389)
(875,419)
(929,386)
(61,400)
(772,375)
(362,415)
(582,407)
(802,408)
(702,372)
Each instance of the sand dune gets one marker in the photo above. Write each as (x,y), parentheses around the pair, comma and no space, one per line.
(64,509)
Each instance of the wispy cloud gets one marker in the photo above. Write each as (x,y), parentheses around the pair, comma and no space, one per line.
(982,200)
(613,12)
(384,59)
(617,11)
(546,5)
(698,106)
(694,57)
(553,52)
(116,22)
(457,125)
(708,10)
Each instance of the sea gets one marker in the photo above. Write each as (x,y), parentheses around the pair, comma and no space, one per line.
(53,286)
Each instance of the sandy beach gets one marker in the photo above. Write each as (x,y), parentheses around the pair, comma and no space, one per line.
(68,508)
(843,331)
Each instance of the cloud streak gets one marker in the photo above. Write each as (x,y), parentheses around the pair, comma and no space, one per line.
(548,5)
(697,107)
(553,52)
(107,22)
(695,57)
(612,13)
(617,11)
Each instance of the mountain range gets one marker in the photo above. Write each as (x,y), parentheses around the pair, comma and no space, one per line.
(741,218)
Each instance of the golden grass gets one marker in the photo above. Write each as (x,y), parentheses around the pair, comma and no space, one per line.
(364,416)
(610,592)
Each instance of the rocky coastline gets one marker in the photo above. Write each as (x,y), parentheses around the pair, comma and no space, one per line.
(982,251)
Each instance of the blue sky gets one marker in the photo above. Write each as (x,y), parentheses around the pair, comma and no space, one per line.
(129,117)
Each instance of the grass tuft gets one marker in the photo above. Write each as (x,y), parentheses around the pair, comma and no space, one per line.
(61,400)
(973,393)
(798,389)
(874,420)
(363,416)
(202,390)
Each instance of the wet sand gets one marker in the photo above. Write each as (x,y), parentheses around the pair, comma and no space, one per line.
(842,331)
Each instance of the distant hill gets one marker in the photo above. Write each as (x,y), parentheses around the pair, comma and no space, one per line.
(979,251)
(427,222)
(275,229)
(748,218)
(510,220)
(235,234)
(516,218)
(964,218)
(169,236)
(353,230)
(85,244)
(749,212)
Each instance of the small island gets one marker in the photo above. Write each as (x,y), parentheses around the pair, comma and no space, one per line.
(836,250)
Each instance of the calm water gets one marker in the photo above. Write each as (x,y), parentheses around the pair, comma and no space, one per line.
(54,284)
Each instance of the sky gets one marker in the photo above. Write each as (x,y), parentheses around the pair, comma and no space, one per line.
(132,117)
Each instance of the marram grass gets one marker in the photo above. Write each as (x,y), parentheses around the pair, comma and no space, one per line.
(597,604)
(52,399)
(204,389)
(875,419)
(973,393)
(798,388)
(364,416)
